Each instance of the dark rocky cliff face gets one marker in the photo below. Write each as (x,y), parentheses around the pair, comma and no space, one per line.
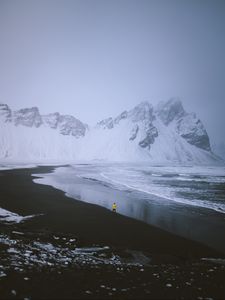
(170,110)
(51,120)
(27,117)
(141,115)
(193,131)
(66,124)
(144,114)
(5,112)
(106,123)
(187,124)
(151,134)
(30,117)
(69,125)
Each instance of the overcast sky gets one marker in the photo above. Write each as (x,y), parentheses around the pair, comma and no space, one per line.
(94,59)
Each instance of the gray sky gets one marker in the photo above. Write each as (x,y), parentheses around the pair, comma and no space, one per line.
(94,59)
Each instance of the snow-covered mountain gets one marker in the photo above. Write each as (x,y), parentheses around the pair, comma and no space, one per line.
(166,133)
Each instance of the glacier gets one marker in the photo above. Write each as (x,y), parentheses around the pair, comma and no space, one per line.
(162,134)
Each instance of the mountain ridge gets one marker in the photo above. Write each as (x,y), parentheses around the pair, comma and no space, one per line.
(145,133)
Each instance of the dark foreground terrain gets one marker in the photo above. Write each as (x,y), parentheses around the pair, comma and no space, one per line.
(75,250)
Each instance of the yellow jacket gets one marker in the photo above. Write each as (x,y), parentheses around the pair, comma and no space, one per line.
(114,206)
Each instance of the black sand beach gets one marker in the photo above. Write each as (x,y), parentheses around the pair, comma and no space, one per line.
(167,266)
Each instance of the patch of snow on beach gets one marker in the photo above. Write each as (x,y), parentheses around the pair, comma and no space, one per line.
(10,217)
(13,165)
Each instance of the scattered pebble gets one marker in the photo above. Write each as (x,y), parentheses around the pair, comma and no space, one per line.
(44,254)
(13,292)
(17,232)
(2,274)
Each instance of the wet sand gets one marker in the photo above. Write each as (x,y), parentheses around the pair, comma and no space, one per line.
(171,255)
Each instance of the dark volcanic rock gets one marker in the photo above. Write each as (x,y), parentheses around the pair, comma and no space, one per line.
(52,120)
(192,129)
(143,113)
(172,109)
(187,124)
(5,112)
(106,123)
(151,134)
(134,132)
(28,117)
(69,125)
(122,116)
(142,116)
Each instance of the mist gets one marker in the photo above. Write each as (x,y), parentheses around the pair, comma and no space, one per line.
(94,59)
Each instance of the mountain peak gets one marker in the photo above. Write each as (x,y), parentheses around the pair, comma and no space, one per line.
(143,106)
(170,110)
(142,133)
(143,111)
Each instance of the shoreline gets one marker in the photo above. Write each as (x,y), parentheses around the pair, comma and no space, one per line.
(170,216)
(65,214)
(77,250)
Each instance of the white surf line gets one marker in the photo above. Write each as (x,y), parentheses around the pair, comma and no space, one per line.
(134,188)
(115,182)
(164,197)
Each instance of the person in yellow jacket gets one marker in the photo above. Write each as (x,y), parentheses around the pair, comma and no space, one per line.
(114,207)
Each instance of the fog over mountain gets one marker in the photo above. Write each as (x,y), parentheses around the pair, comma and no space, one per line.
(95,58)
(219,149)
(161,134)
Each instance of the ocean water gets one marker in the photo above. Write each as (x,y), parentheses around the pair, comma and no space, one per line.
(186,201)
(197,186)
